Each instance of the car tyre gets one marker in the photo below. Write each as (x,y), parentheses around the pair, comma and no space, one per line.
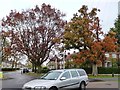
(82,86)
(53,88)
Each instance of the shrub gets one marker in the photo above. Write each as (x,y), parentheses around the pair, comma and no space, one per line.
(44,70)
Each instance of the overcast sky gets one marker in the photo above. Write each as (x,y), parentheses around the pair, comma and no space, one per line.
(108,14)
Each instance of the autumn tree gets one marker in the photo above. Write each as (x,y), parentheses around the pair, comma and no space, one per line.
(79,31)
(8,54)
(34,32)
(5,46)
(116,29)
(83,33)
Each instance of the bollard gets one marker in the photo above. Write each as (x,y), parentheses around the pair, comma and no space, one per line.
(112,74)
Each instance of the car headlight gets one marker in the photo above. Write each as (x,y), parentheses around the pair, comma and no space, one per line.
(40,88)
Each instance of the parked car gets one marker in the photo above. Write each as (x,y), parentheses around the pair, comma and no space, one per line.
(25,70)
(59,79)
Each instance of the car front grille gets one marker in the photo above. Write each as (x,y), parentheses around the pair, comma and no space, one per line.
(28,88)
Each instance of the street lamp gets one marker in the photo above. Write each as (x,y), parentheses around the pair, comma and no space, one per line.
(64,56)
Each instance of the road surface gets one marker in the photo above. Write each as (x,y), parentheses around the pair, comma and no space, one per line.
(16,80)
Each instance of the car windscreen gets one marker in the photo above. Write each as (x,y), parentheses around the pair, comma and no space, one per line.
(52,75)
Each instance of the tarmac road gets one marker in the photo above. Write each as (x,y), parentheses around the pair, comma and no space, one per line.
(16,80)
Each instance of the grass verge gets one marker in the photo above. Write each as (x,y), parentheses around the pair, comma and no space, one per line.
(103,76)
(34,74)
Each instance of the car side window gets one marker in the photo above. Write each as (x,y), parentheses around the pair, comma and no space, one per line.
(74,73)
(66,75)
(81,73)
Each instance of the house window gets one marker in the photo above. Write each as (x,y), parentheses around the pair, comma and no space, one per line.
(107,55)
(114,56)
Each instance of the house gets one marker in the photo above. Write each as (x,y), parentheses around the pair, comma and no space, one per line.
(20,65)
(111,59)
(55,63)
(8,64)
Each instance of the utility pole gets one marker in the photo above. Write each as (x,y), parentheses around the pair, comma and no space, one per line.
(0,52)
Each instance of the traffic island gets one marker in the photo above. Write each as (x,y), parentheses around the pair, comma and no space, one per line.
(1,75)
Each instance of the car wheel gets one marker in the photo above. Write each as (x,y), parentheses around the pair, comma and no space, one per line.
(82,86)
(53,88)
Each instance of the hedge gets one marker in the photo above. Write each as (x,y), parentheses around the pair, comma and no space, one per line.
(9,69)
(109,70)
(104,70)
(88,70)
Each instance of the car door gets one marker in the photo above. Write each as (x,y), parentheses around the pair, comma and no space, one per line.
(65,80)
(75,79)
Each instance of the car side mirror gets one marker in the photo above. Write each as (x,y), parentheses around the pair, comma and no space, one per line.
(63,78)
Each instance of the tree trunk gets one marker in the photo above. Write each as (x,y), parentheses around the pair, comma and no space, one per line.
(94,70)
(39,68)
(103,63)
(15,64)
(33,67)
(12,64)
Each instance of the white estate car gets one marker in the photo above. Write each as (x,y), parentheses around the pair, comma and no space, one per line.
(59,79)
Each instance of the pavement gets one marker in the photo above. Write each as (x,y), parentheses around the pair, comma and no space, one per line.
(103,83)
